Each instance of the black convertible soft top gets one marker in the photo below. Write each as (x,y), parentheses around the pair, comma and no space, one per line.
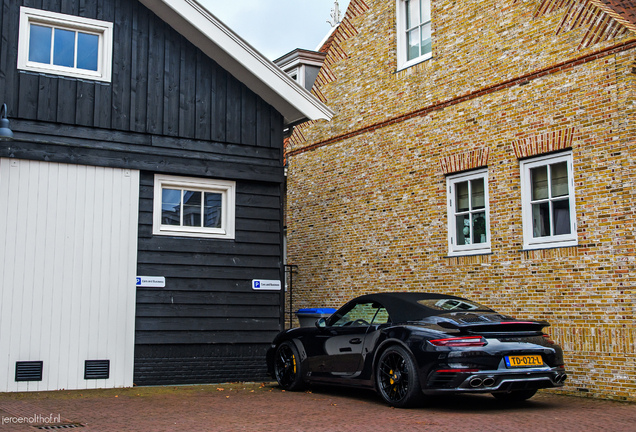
(404,306)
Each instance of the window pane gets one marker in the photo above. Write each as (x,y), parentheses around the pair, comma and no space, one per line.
(40,44)
(381,316)
(561,215)
(171,207)
(559,177)
(64,48)
(452,304)
(412,13)
(87,50)
(426,10)
(212,210)
(462,225)
(461,197)
(361,311)
(541,220)
(426,39)
(477,194)
(539,179)
(479,227)
(191,208)
(413,49)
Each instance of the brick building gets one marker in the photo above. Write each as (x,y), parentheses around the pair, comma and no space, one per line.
(481,148)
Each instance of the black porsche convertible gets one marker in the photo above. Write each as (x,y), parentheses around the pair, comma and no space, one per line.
(409,345)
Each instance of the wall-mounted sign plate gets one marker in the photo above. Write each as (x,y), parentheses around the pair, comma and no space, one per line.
(262,284)
(151,281)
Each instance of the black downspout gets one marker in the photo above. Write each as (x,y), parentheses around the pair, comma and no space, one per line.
(291,268)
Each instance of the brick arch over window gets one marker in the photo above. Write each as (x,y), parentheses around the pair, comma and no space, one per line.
(602,20)
(545,143)
(465,161)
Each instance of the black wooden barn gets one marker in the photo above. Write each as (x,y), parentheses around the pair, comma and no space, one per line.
(148,141)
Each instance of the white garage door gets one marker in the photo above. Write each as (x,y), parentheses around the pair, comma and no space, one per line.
(68,254)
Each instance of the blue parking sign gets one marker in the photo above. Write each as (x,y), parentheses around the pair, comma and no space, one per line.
(266,284)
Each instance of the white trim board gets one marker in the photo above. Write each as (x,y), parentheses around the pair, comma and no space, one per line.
(240,59)
(103,29)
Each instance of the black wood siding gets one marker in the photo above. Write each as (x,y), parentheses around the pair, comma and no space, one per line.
(172,110)
(161,83)
(208,304)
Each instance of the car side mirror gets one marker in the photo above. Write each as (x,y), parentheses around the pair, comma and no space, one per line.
(321,323)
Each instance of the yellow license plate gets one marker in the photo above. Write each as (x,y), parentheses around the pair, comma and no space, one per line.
(524,361)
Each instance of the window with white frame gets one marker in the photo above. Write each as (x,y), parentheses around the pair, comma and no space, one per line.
(413,32)
(65,45)
(468,213)
(547,194)
(194,207)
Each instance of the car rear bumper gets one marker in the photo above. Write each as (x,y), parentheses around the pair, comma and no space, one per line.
(495,381)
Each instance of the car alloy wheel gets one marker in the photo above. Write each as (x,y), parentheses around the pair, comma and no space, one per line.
(396,378)
(287,367)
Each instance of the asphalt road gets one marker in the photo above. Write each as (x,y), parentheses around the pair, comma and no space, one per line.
(265,407)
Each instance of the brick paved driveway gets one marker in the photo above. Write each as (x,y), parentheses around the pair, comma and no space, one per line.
(265,407)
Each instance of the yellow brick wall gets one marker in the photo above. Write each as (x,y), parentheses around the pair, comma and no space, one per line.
(367,212)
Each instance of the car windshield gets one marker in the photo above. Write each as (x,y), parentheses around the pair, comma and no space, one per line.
(360,314)
(449,304)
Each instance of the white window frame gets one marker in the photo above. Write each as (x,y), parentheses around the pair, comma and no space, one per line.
(227,189)
(564,240)
(402,63)
(103,29)
(472,249)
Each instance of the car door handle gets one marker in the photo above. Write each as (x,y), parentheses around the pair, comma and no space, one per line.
(355,341)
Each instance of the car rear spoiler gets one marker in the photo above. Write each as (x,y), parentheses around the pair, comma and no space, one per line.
(508,326)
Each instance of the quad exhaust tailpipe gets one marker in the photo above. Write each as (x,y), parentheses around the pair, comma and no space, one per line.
(475,382)
(488,382)
(560,378)
(478,382)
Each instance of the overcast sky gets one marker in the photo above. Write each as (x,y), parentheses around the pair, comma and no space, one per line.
(276,27)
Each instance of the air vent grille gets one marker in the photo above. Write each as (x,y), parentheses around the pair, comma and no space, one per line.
(28,370)
(96,369)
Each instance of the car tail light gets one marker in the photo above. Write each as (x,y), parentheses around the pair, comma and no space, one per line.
(547,339)
(466,341)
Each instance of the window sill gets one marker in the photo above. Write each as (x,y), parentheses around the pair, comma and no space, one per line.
(414,62)
(532,248)
(64,72)
(202,235)
(468,254)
